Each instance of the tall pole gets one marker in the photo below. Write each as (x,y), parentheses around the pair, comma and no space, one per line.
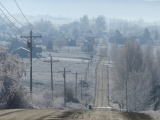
(29,44)
(127,95)
(51,78)
(76,87)
(81,88)
(108,83)
(31,62)
(64,75)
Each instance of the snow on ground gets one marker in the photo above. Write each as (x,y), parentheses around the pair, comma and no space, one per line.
(73,60)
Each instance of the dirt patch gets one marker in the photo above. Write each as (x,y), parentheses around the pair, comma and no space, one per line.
(65,114)
(11,112)
(136,116)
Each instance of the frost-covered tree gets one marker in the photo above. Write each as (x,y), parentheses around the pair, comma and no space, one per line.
(138,76)
(145,37)
(156,36)
(60,42)
(49,45)
(100,24)
(84,21)
(12,93)
(129,60)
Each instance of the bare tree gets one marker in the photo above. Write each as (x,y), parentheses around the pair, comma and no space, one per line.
(138,76)
(60,42)
(129,60)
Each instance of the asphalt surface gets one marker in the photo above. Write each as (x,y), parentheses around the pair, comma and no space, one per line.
(101,92)
(101,111)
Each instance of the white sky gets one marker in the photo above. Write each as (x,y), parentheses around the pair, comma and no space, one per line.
(148,10)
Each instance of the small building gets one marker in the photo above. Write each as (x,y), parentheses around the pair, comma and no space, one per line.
(21,52)
(25,53)
(90,40)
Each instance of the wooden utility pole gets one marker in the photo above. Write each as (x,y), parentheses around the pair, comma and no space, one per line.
(64,76)
(81,88)
(76,74)
(51,78)
(108,83)
(76,87)
(29,44)
(51,62)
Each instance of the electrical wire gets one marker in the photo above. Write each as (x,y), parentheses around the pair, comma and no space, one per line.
(26,18)
(7,24)
(10,21)
(15,28)
(14,17)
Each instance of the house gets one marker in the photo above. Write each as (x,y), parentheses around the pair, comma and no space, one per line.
(90,40)
(25,53)
(21,52)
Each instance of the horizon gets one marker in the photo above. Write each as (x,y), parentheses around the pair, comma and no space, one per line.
(148,10)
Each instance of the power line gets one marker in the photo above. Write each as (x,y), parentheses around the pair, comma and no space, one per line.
(15,28)
(9,20)
(7,24)
(13,16)
(26,18)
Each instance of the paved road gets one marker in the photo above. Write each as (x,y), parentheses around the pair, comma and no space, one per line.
(101,100)
(101,92)
(50,114)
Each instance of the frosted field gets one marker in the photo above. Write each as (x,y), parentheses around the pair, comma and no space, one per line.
(73,59)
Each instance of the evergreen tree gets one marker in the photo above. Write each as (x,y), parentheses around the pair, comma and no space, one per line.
(156,36)
(49,45)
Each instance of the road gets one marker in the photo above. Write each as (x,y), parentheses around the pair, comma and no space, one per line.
(101,92)
(55,114)
(30,114)
(101,109)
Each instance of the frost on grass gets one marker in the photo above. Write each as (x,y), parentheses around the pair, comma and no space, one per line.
(78,61)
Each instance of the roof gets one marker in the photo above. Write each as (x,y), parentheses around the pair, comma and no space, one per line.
(22,49)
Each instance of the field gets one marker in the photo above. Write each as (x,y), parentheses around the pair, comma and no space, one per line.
(72,59)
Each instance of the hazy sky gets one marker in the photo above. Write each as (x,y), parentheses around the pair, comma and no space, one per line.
(149,10)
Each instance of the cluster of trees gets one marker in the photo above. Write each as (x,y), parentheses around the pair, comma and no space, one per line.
(85,27)
(75,31)
(137,77)
(118,38)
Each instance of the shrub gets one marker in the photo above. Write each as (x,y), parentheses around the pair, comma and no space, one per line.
(13,95)
(70,96)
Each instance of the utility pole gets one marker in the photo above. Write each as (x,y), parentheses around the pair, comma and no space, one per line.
(64,76)
(76,86)
(81,88)
(51,78)
(76,74)
(51,61)
(29,44)
(108,83)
